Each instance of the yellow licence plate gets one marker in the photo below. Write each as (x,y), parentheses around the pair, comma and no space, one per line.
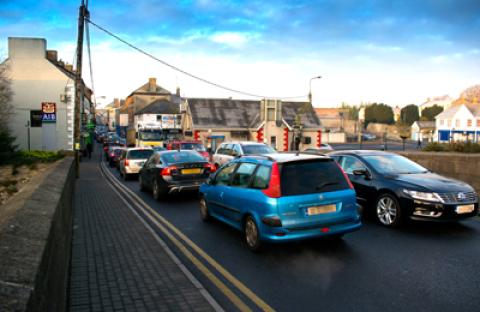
(465,209)
(321,209)
(192,171)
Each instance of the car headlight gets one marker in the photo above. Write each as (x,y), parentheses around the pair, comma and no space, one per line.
(433,197)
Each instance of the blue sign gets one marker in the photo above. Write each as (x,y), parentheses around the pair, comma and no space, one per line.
(49,112)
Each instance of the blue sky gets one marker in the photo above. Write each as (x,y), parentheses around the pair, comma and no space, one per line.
(398,52)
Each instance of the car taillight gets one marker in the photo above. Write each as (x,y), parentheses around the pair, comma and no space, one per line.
(168,171)
(105,148)
(346,176)
(211,167)
(273,189)
(127,162)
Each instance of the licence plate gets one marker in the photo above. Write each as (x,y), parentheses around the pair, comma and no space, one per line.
(465,209)
(321,209)
(192,171)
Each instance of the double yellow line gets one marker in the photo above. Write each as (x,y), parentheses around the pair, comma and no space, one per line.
(167,229)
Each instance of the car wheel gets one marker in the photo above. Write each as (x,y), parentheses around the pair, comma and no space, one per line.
(252,236)
(140,182)
(157,192)
(124,176)
(388,210)
(204,213)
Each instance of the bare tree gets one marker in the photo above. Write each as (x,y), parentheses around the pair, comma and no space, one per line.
(6,110)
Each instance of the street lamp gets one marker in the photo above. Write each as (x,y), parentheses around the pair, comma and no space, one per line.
(310,88)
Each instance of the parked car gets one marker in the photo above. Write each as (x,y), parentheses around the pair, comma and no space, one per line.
(321,150)
(132,159)
(229,150)
(396,188)
(110,154)
(281,197)
(188,145)
(174,171)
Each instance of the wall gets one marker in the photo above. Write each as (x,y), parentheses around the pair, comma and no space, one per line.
(459,166)
(35,243)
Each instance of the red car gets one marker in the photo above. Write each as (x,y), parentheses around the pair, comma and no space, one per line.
(189,145)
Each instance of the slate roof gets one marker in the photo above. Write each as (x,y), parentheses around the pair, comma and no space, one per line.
(160,107)
(425,124)
(230,113)
(449,113)
(144,89)
(307,113)
(224,113)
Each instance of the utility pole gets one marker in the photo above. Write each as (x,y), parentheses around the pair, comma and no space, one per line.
(78,85)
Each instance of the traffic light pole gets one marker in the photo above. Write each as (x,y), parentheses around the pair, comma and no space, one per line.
(79,88)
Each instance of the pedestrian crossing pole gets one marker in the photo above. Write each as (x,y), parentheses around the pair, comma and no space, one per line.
(79,89)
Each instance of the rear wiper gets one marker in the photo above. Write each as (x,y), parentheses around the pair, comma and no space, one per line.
(322,185)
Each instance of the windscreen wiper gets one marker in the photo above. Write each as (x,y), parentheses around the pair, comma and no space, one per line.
(322,185)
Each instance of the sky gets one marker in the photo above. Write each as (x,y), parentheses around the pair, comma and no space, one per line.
(393,52)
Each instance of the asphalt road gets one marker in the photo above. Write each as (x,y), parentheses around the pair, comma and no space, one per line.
(420,267)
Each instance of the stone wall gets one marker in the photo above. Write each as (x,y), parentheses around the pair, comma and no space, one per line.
(464,167)
(35,243)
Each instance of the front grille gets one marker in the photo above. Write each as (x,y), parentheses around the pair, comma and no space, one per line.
(459,197)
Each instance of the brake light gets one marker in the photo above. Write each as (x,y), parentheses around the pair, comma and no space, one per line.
(273,189)
(105,148)
(127,162)
(346,176)
(168,171)
(211,167)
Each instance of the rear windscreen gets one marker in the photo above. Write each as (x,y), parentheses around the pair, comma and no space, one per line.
(308,177)
(182,157)
(140,154)
(193,146)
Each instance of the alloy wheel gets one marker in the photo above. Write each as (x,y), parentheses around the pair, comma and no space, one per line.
(387,210)
(204,210)
(251,234)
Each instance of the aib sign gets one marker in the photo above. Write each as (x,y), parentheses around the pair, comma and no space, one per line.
(49,112)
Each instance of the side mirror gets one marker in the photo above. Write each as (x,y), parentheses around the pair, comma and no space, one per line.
(362,172)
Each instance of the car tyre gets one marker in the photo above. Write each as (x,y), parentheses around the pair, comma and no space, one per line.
(125,176)
(204,213)
(158,194)
(388,210)
(252,235)
(142,186)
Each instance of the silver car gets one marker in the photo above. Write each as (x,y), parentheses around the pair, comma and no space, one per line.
(229,150)
(132,160)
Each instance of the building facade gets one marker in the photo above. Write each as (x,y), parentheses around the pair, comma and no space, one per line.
(43,96)
(458,123)
(423,131)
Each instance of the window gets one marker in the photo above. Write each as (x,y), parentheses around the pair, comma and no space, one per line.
(140,154)
(236,150)
(441,122)
(174,157)
(273,142)
(350,163)
(457,123)
(449,123)
(309,177)
(478,122)
(243,175)
(255,149)
(469,123)
(224,175)
(262,177)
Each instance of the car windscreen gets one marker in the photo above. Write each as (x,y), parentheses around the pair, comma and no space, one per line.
(181,157)
(193,146)
(256,149)
(139,154)
(393,164)
(313,176)
(151,136)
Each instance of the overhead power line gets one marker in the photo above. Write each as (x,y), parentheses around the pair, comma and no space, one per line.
(187,73)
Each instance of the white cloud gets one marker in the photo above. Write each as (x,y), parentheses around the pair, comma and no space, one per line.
(232,39)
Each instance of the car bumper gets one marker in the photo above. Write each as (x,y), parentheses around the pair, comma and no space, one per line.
(282,234)
(428,211)
(184,186)
(132,170)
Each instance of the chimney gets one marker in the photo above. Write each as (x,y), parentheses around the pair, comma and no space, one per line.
(152,84)
(52,55)
(116,103)
(178,91)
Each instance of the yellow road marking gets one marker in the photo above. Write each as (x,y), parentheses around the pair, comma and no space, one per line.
(244,289)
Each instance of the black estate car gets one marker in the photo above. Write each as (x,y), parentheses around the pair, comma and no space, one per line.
(167,172)
(396,188)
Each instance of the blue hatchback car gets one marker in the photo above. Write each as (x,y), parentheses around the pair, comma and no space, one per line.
(281,197)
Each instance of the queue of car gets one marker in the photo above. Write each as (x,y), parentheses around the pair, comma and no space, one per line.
(275,197)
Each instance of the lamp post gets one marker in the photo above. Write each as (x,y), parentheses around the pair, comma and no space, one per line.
(310,88)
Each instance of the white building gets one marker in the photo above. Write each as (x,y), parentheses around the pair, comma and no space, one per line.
(423,130)
(444,101)
(44,95)
(459,123)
